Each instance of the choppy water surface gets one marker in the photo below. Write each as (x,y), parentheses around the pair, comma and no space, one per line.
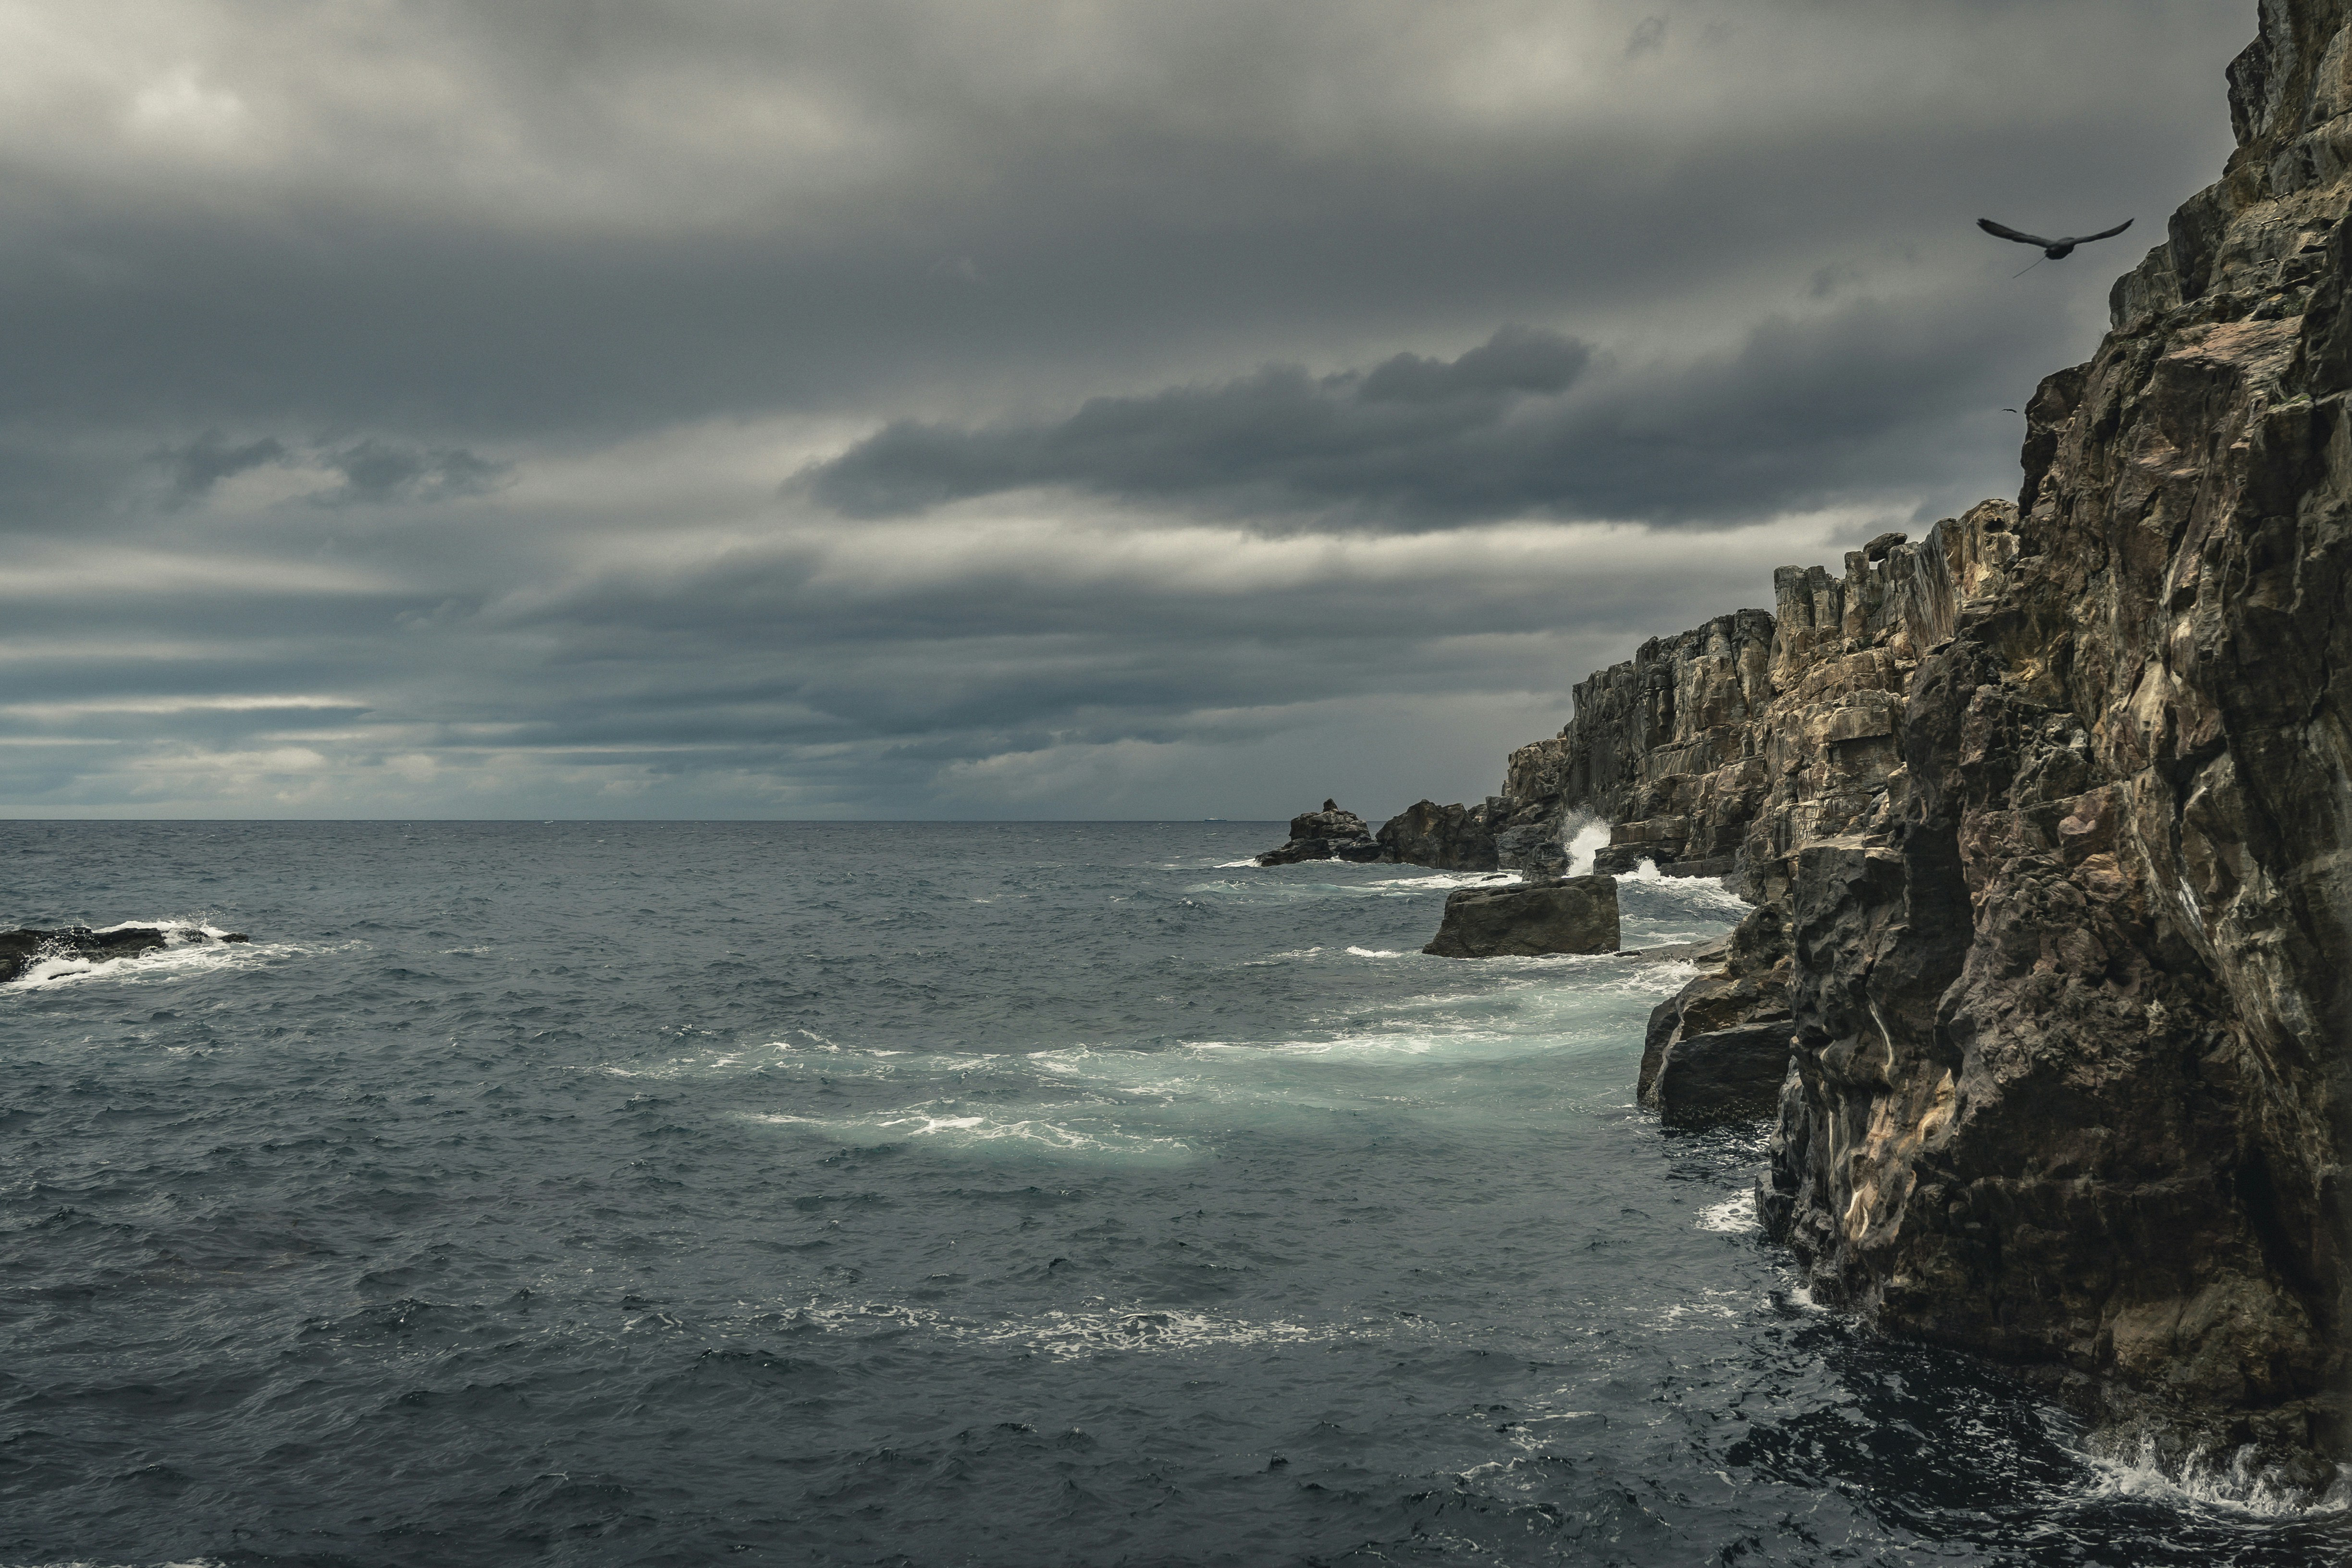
(618,1193)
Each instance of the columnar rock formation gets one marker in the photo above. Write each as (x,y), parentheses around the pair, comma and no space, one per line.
(2072,1032)
(2055,807)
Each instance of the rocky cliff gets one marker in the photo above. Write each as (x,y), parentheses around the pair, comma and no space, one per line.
(2054,805)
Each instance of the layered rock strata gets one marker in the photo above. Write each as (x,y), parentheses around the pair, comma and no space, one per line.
(2071,1081)
(1531,920)
(2053,806)
(1654,746)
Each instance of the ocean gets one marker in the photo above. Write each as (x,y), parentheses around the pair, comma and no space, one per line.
(1017,1193)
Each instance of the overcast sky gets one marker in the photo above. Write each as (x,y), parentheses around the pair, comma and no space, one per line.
(984,409)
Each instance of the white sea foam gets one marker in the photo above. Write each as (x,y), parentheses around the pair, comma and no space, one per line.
(186,951)
(975,1131)
(2236,1482)
(1589,838)
(1720,1307)
(1732,1216)
(1093,1329)
(1378,952)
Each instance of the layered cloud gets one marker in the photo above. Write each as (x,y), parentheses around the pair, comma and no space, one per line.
(913,408)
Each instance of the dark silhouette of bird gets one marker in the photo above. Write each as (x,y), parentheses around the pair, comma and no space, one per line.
(2052,249)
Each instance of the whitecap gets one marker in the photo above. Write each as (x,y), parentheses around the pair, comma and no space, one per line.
(1732,1216)
(1094,1329)
(1032,1133)
(2238,1482)
(190,947)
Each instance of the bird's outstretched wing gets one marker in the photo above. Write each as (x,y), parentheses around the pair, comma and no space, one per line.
(2006,232)
(2103,234)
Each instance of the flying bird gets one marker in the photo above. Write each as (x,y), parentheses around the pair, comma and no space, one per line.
(2052,249)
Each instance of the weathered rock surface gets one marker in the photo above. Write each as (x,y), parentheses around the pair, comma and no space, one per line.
(1717,1050)
(2055,806)
(1444,837)
(1574,914)
(2075,1019)
(1329,834)
(1657,747)
(21,949)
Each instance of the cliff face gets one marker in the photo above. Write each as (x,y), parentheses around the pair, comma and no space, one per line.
(2070,1079)
(1720,750)
(1661,745)
(2053,808)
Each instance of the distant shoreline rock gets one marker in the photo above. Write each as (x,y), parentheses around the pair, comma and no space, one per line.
(26,946)
(1442,838)
(1329,834)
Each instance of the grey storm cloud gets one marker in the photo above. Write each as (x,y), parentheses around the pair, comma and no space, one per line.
(1804,413)
(372,470)
(1186,401)
(1415,433)
(380,471)
(210,458)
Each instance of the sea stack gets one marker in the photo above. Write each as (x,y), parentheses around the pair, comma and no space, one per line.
(1570,914)
(1329,834)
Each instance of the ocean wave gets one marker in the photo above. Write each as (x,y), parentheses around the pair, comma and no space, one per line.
(976,1132)
(2236,1482)
(190,947)
(1732,1216)
(1091,1330)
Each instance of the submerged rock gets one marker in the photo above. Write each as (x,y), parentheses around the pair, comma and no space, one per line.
(1443,837)
(1574,914)
(1329,834)
(21,949)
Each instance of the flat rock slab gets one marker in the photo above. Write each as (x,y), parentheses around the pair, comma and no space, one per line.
(1575,914)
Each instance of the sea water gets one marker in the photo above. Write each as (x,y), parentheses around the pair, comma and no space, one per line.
(580,1193)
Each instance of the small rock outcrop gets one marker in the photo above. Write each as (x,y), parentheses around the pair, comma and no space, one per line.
(1329,834)
(1531,920)
(22,949)
(1443,837)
